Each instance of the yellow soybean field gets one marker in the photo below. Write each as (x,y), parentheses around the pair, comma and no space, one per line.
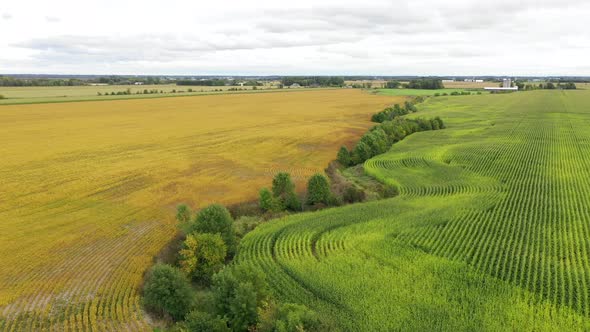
(88,189)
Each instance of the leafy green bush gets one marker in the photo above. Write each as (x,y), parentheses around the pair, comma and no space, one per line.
(183,213)
(202,321)
(283,189)
(202,255)
(352,195)
(344,156)
(318,190)
(267,202)
(167,291)
(239,292)
(390,191)
(289,317)
(214,219)
(245,224)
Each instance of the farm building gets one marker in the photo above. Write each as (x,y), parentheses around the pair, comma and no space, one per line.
(506,86)
(294,85)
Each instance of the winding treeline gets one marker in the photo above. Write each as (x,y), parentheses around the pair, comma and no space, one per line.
(392,112)
(380,138)
(426,83)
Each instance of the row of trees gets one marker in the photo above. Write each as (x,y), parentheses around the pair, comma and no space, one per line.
(425,83)
(211,82)
(146,92)
(13,81)
(546,86)
(110,80)
(391,113)
(380,138)
(282,197)
(232,297)
(313,80)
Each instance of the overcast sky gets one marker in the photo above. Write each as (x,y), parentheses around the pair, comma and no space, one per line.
(253,37)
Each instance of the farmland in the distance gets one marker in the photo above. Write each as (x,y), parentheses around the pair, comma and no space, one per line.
(58,94)
(88,190)
(491,230)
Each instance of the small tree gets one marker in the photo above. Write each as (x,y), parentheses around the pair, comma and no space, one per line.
(202,255)
(283,189)
(344,156)
(239,292)
(202,321)
(265,200)
(318,190)
(289,317)
(183,213)
(243,308)
(292,202)
(167,291)
(214,219)
(282,184)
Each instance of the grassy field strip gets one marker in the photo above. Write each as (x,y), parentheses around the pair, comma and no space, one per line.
(45,95)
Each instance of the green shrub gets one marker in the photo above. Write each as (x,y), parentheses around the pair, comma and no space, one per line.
(167,291)
(202,321)
(318,190)
(265,200)
(239,292)
(292,202)
(214,219)
(202,255)
(289,317)
(352,195)
(183,213)
(245,224)
(283,189)
(344,156)
(390,191)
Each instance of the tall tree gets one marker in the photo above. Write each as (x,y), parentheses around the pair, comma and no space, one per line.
(215,219)
(202,255)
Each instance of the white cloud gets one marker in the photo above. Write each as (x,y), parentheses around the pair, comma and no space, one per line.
(423,37)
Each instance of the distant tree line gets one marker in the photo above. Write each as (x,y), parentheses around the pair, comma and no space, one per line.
(546,86)
(392,84)
(211,82)
(324,81)
(13,81)
(425,83)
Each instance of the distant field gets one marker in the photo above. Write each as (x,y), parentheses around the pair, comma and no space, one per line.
(42,94)
(415,92)
(469,85)
(490,232)
(88,190)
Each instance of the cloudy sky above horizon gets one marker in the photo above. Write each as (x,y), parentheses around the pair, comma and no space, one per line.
(258,37)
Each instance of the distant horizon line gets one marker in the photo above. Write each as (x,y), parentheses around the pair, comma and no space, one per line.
(297,75)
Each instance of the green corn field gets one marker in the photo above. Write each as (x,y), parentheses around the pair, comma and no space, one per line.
(491,230)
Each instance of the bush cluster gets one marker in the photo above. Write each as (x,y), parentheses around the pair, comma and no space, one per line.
(380,138)
(234,296)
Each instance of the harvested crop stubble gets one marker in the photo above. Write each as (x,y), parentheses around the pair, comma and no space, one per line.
(88,190)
